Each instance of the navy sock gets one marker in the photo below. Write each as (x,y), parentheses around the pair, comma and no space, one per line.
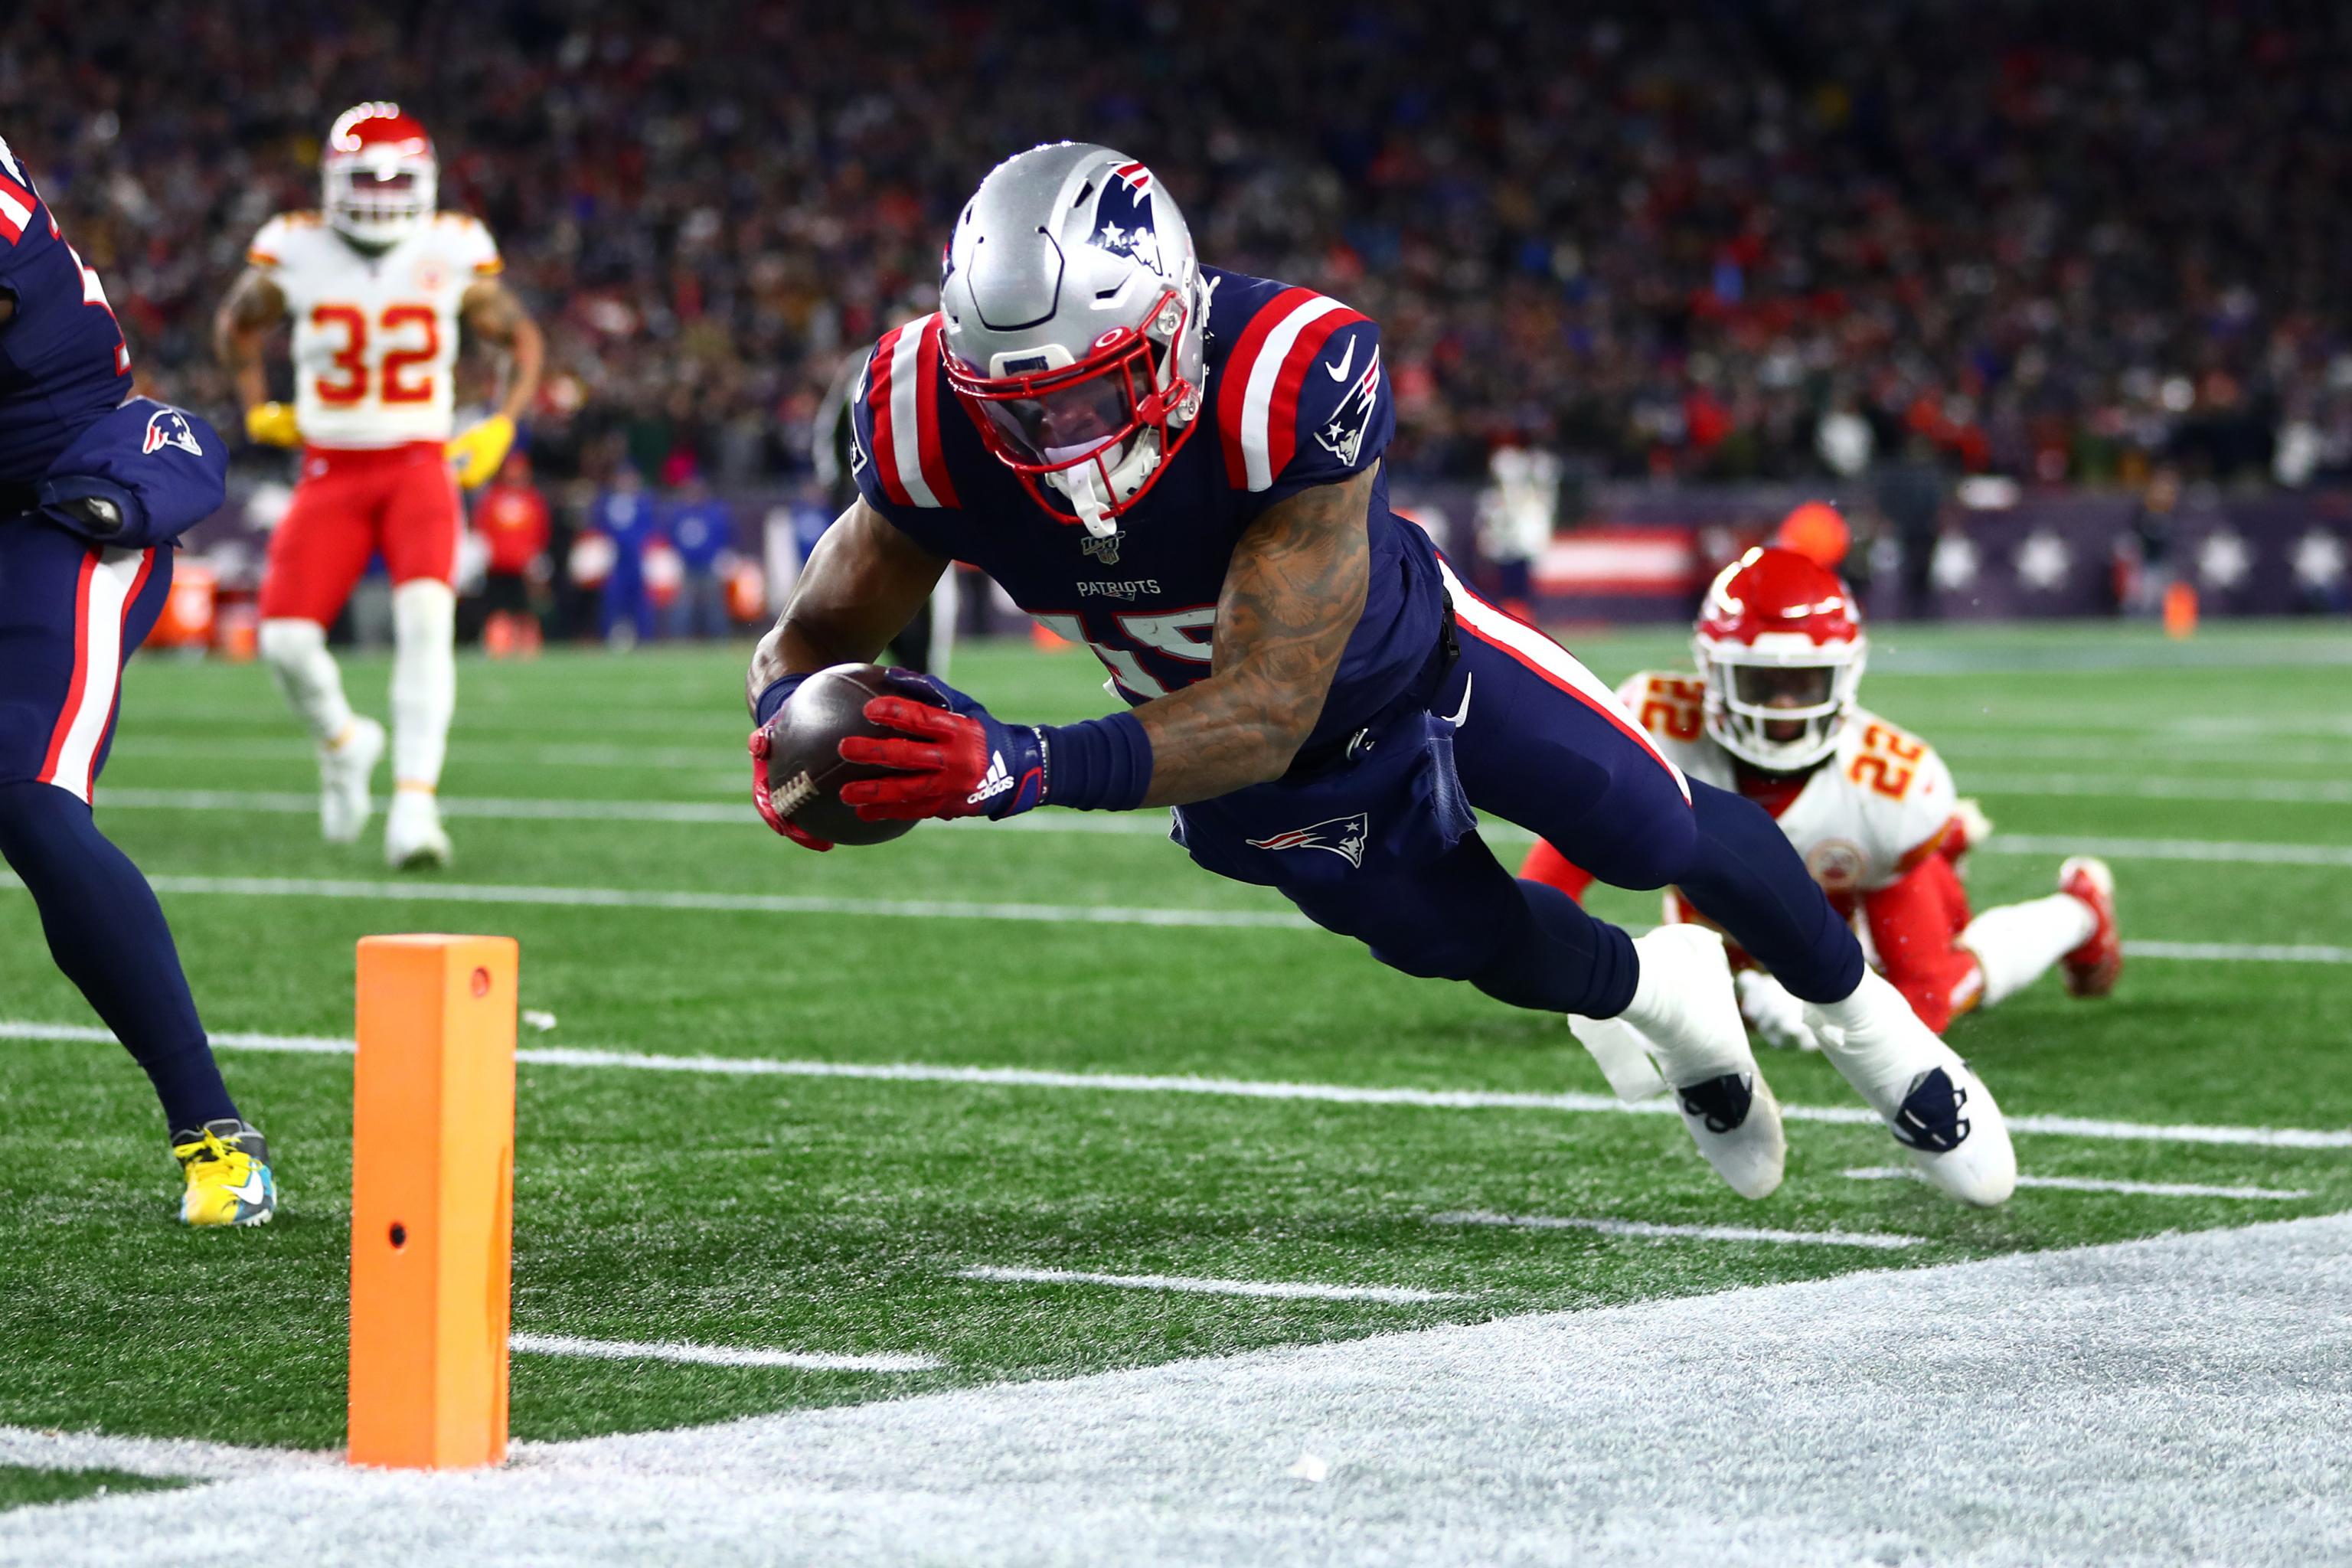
(107,933)
(1746,878)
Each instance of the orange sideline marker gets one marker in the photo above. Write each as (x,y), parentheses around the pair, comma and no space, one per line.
(433,1095)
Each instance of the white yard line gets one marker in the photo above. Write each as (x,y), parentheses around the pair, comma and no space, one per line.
(1152,825)
(1283,1289)
(2172,1400)
(2103,1184)
(1225,1088)
(717,1355)
(427,891)
(1880,1241)
(2275,792)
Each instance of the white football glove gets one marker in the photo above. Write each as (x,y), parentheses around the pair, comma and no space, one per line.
(1778,1019)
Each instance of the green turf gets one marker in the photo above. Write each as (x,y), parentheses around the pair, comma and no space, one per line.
(832,1215)
(22,1488)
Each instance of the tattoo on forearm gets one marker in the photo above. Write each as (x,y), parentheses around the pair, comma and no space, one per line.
(1291,597)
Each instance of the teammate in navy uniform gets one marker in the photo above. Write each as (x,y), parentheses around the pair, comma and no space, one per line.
(1180,467)
(94,485)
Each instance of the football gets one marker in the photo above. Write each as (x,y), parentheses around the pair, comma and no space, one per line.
(805,769)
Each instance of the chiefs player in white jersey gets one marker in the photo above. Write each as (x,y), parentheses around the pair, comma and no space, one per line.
(377,285)
(1771,712)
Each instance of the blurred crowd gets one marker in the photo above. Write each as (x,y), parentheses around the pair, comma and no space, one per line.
(1751,238)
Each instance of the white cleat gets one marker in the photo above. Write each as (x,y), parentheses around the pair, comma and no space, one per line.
(413,838)
(1686,1016)
(1937,1108)
(344,773)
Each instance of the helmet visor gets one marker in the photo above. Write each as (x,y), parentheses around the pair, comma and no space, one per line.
(1797,688)
(1067,423)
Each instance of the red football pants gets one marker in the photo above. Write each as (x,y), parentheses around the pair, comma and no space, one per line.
(400,502)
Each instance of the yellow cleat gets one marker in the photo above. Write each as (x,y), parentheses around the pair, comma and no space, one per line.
(228,1167)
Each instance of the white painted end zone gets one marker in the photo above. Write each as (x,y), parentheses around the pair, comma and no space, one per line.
(2173,1401)
(1282,1289)
(1647,1230)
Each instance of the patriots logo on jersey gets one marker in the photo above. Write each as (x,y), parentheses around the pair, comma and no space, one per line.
(1342,836)
(1342,434)
(170,427)
(1123,217)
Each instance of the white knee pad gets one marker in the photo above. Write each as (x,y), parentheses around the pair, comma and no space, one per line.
(423,680)
(296,652)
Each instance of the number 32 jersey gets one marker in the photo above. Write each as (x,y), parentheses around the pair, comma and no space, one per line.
(1294,396)
(375,333)
(1869,814)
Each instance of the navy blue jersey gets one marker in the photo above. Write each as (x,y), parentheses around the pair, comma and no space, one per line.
(63,365)
(1295,398)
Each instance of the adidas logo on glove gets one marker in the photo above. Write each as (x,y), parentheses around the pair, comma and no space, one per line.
(995,784)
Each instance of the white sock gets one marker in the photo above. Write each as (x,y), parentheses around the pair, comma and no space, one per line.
(423,680)
(2016,942)
(1683,1003)
(296,652)
(1875,1041)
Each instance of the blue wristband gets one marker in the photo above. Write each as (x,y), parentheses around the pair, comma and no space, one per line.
(772,695)
(1103,764)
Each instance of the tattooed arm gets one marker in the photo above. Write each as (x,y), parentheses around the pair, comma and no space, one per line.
(491,311)
(1291,599)
(254,306)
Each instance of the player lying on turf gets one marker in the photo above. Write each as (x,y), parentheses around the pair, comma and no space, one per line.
(1180,467)
(94,485)
(1771,713)
(377,288)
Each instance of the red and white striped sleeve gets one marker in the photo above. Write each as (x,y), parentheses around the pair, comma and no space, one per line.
(899,457)
(1302,399)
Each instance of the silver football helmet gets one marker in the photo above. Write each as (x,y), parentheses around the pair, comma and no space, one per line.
(1072,304)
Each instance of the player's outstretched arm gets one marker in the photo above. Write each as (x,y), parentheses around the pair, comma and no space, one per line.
(255,305)
(864,581)
(1291,597)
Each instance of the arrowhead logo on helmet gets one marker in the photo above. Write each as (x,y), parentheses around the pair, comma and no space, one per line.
(1071,314)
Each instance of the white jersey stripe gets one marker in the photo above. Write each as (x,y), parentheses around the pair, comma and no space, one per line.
(17,215)
(1547,655)
(101,654)
(905,420)
(1257,401)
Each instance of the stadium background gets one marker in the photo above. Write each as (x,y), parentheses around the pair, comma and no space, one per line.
(1720,257)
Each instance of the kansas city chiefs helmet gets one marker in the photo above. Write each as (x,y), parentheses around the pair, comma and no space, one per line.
(1071,304)
(381,179)
(1781,647)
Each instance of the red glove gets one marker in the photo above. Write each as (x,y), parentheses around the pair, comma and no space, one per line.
(953,764)
(766,805)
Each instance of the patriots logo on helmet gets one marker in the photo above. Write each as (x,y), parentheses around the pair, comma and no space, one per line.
(1123,223)
(1342,836)
(1342,434)
(170,427)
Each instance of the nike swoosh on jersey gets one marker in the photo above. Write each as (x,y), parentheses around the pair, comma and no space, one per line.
(1339,373)
(1464,711)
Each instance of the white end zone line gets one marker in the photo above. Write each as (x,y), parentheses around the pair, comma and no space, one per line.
(2102,1185)
(171,1458)
(1227,1087)
(1880,1241)
(951,910)
(1284,1289)
(716,1355)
